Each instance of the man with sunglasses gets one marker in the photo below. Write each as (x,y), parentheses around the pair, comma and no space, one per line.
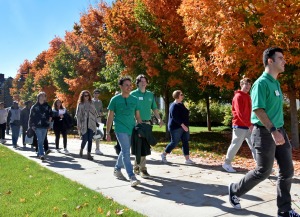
(123,110)
(99,107)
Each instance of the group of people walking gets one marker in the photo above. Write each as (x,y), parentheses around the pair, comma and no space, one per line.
(258,119)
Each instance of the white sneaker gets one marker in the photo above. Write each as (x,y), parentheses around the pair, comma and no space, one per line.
(134,182)
(66,151)
(228,168)
(164,158)
(119,175)
(189,161)
(98,152)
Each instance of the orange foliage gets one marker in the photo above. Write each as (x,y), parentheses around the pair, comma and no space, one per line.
(237,32)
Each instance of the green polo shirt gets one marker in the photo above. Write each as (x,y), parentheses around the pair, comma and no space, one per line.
(146,102)
(124,113)
(266,94)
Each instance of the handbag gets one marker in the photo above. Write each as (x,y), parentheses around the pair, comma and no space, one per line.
(28,140)
(99,132)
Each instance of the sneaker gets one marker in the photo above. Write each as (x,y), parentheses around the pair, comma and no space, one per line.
(134,182)
(233,199)
(3,141)
(119,175)
(136,170)
(24,145)
(66,151)
(48,152)
(42,158)
(164,158)
(98,152)
(145,174)
(290,213)
(228,168)
(57,150)
(189,161)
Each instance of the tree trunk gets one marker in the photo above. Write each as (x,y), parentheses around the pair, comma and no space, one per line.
(167,108)
(208,120)
(294,118)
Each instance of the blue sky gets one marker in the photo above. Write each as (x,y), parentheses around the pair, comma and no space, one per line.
(27,27)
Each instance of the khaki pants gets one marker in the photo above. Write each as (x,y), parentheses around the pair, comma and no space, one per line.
(142,164)
(97,144)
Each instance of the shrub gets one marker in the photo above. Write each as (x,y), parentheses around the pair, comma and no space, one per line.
(198,113)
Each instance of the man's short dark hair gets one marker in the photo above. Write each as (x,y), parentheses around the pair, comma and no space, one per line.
(96,91)
(139,78)
(126,78)
(269,53)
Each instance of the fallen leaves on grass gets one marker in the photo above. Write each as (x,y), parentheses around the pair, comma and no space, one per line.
(119,212)
(22,200)
(8,192)
(100,210)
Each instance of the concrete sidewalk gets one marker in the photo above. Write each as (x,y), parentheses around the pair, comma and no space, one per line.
(174,189)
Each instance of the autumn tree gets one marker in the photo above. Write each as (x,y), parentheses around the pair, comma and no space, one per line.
(149,37)
(237,32)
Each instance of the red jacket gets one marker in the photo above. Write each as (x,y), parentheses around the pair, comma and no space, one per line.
(241,109)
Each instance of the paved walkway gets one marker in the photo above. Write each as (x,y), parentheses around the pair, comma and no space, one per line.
(174,189)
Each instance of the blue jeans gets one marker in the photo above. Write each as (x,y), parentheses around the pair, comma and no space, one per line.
(41,134)
(124,156)
(266,151)
(87,138)
(176,136)
(15,130)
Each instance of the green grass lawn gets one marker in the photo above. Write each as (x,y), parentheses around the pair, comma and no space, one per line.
(28,189)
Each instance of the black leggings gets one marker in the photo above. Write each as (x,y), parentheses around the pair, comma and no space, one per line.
(57,137)
(2,130)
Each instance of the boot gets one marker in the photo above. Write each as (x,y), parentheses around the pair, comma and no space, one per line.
(89,156)
(81,152)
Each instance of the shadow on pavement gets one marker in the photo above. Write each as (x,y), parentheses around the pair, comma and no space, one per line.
(195,194)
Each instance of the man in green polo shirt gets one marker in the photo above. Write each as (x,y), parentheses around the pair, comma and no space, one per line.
(147,105)
(123,110)
(269,137)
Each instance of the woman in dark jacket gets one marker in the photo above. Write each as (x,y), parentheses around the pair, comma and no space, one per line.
(178,126)
(60,124)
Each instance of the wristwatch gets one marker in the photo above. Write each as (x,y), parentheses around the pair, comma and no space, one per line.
(272,129)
